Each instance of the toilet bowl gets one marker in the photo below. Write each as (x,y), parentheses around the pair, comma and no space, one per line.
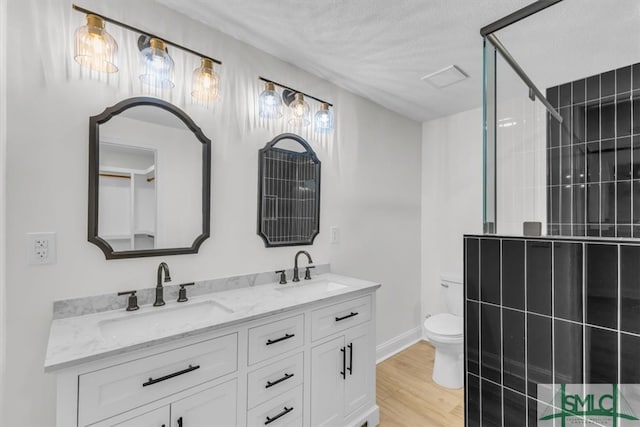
(445,331)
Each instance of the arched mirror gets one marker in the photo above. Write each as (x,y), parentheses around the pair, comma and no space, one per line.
(288,192)
(149,180)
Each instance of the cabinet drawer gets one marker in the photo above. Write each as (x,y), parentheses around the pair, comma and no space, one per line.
(282,411)
(329,320)
(119,388)
(154,418)
(274,379)
(275,338)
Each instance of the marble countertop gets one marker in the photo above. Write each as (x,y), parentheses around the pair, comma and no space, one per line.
(81,339)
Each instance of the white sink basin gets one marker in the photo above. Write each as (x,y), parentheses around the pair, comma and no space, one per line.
(311,288)
(158,321)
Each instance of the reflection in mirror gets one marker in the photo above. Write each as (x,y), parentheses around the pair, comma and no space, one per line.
(127,197)
(149,184)
(289,192)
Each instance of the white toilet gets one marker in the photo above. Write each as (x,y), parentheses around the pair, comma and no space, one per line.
(446,332)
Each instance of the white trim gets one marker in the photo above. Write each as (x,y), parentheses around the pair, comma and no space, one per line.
(3,194)
(398,343)
(371,417)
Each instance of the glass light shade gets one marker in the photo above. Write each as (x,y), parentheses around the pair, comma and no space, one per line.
(95,48)
(157,65)
(205,84)
(270,102)
(300,112)
(323,120)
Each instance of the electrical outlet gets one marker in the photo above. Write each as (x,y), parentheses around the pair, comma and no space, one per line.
(334,233)
(41,248)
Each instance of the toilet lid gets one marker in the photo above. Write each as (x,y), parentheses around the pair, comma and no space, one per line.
(445,324)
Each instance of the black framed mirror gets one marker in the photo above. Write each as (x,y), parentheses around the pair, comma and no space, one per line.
(149,180)
(288,192)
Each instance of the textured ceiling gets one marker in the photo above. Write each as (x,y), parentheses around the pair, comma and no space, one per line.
(381,48)
(376,48)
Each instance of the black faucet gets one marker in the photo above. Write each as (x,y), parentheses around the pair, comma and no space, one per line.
(296,277)
(159,288)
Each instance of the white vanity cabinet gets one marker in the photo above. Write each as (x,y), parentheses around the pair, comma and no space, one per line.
(213,406)
(343,367)
(306,365)
(154,418)
(116,389)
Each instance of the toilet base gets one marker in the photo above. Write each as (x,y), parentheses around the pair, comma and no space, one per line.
(447,369)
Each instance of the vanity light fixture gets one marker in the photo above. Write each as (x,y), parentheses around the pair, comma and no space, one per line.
(271,106)
(157,65)
(95,48)
(270,102)
(205,84)
(300,112)
(323,120)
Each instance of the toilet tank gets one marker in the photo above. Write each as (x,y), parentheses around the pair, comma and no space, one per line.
(453,294)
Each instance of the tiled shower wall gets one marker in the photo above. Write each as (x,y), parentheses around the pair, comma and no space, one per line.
(593,157)
(546,311)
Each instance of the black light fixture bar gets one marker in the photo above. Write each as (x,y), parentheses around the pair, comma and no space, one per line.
(294,90)
(146,33)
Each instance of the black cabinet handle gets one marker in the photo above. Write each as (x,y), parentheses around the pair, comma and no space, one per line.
(344,363)
(278,381)
(281,414)
(166,377)
(180,422)
(350,359)
(347,316)
(286,337)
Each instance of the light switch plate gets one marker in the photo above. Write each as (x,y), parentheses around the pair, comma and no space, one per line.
(41,248)
(334,233)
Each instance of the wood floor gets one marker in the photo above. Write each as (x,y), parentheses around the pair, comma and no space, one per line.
(407,395)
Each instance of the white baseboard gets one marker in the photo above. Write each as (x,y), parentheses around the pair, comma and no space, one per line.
(398,343)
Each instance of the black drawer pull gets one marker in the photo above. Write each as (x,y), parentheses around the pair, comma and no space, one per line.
(180,422)
(286,337)
(344,363)
(347,316)
(167,377)
(350,368)
(278,381)
(281,414)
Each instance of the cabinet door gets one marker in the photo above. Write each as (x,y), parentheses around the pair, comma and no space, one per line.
(327,383)
(215,406)
(360,369)
(156,418)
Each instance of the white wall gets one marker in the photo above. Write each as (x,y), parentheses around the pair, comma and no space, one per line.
(370,189)
(451,198)
(3,145)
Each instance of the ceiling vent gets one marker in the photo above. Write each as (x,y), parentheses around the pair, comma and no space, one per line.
(445,77)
